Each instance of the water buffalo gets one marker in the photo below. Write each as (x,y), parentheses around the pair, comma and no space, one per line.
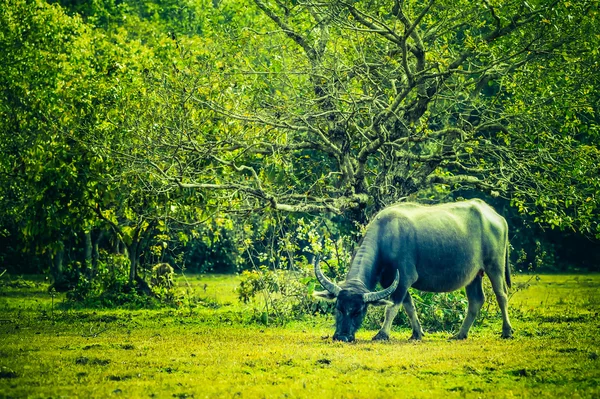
(437,248)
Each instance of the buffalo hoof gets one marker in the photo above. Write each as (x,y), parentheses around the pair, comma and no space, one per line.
(507,332)
(507,335)
(381,336)
(343,338)
(416,336)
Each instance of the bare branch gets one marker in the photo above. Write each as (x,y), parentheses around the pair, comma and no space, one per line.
(460,179)
(295,36)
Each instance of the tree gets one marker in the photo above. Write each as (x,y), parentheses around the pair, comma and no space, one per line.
(66,89)
(341,106)
(44,172)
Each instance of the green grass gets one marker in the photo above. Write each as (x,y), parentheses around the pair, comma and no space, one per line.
(210,350)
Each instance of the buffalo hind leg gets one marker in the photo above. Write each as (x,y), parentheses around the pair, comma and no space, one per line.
(476,299)
(500,289)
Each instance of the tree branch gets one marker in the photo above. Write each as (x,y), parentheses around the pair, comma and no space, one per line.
(301,41)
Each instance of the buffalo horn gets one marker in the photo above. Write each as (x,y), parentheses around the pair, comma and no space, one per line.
(328,285)
(376,296)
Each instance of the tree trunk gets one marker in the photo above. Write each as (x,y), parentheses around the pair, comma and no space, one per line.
(59,282)
(57,264)
(132,251)
(116,243)
(87,254)
(95,252)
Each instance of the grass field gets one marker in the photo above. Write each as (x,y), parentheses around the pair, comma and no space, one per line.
(212,351)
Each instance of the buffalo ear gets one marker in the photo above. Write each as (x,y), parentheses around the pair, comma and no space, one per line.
(381,302)
(326,295)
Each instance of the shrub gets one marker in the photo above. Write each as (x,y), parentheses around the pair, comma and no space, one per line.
(281,295)
(109,286)
(436,311)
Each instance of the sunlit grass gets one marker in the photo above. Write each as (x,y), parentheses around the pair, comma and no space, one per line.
(214,352)
(557,293)
(219,287)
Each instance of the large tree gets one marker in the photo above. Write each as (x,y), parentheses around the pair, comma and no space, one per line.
(334,106)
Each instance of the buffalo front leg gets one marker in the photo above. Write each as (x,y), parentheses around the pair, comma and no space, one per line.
(392,310)
(476,299)
(409,307)
(390,313)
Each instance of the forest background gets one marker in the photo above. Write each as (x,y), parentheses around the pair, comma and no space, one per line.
(228,135)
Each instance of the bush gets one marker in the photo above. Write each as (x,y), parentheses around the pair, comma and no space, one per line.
(109,286)
(281,296)
(436,311)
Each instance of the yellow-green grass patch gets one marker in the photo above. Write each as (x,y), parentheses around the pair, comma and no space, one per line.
(177,353)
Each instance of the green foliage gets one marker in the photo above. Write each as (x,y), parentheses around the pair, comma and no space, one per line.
(39,168)
(109,287)
(63,86)
(285,296)
(438,311)
(306,122)
(280,296)
(280,285)
(216,247)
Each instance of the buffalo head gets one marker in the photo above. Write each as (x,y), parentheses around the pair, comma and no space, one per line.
(352,301)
